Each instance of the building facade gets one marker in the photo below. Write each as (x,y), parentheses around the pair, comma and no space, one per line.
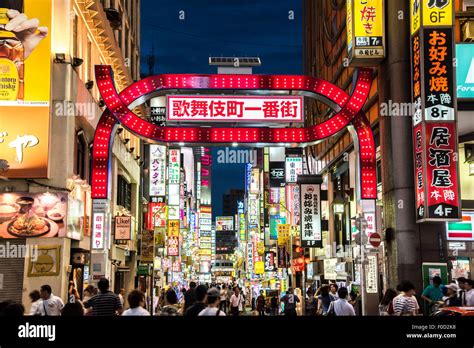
(79,35)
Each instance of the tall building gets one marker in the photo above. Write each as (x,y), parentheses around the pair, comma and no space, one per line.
(50,179)
(407,245)
(229,201)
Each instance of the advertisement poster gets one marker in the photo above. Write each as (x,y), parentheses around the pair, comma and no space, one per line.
(156,215)
(173,246)
(277,174)
(25,83)
(33,215)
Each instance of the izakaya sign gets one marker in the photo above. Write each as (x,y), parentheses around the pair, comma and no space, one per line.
(311,216)
(234,109)
(435,139)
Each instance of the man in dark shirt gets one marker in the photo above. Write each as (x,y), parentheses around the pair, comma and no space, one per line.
(105,303)
(189,296)
(199,305)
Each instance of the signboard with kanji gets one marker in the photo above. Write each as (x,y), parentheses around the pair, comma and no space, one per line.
(311,216)
(365,32)
(214,108)
(174,166)
(157,170)
(173,246)
(173,228)
(283,234)
(435,139)
(294,167)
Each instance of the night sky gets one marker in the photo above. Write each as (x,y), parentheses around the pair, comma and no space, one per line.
(250,28)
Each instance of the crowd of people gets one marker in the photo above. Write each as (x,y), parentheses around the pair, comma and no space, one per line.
(403,302)
(225,300)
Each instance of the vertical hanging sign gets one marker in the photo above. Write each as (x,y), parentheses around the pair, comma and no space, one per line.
(310,193)
(435,139)
(365,32)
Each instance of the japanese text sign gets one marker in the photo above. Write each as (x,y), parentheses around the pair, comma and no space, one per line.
(235,108)
(311,216)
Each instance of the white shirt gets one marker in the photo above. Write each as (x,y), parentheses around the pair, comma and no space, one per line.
(34,307)
(121,299)
(470,298)
(223,294)
(343,308)
(237,301)
(53,306)
(211,312)
(137,311)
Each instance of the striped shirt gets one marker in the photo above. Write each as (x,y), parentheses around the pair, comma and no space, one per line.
(104,304)
(404,305)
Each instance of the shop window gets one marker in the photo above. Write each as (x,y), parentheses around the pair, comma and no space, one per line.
(124,193)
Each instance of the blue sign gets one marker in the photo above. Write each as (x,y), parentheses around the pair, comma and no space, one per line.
(465,70)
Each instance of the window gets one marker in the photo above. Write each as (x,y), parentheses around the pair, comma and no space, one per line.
(74,36)
(124,193)
(81,155)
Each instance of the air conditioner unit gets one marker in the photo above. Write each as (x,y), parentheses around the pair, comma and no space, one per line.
(468,32)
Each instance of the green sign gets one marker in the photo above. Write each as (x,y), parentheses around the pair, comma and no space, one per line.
(430,270)
(465,70)
(143,270)
(275,220)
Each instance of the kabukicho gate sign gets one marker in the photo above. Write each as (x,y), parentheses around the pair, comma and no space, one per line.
(289,88)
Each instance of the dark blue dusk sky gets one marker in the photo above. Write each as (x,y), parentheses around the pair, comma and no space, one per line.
(221,28)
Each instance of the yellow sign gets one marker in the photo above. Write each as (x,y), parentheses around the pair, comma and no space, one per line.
(260,248)
(415,15)
(283,233)
(25,84)
(259,267)
(173,228)
(205,252)
(437,13)
(368,19)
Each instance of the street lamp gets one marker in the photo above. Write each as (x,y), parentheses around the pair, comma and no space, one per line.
(338,205)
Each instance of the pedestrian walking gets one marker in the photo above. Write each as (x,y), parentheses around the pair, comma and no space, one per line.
(136,301)
(341,307)
(171,304)
(274,305)
(236,302)
(261,304)
(199,305)
(223,299)
(50,304)
(386,304)
(469,293)
(105,303)
(230,292)
(433,295)
(290,300)
(121,296)
(333,291)
(324,300)
(189,296)
(212,310)
(462,282)
(405,304)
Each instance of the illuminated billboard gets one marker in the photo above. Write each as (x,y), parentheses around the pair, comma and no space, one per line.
(25,83)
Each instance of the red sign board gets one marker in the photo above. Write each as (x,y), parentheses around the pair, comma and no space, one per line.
(155,216)
(441,170)
(173,246)
(215,108)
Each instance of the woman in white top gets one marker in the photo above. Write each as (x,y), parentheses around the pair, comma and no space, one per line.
(136,300)
(35,301)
